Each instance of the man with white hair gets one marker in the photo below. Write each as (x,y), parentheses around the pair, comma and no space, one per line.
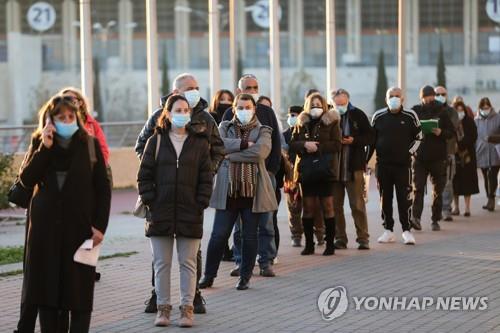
(186,84)
(397,138)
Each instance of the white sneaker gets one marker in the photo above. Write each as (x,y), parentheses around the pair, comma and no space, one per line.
(408,238)
(275,261)
(387,237)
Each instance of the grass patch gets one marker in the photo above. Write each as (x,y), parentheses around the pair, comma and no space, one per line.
(11,255)
(11,273)
(117,255)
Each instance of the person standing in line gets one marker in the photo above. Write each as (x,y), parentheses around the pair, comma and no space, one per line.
(222,100)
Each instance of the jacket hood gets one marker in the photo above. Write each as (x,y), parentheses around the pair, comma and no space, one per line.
(327,118)
(201,106)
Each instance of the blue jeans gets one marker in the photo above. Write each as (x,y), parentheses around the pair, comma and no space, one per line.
(223,225)
(267,243)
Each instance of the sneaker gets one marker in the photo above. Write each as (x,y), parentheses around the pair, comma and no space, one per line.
(435,226)
(199,303)
(187,316)
(340,245)
(206,282)
(163,315)
(235,271)
(296,242)
(415,223)
(151,303)
(408,238)
(275,261)
(387,237)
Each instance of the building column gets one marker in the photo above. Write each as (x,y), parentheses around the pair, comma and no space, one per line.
(296,32)
(274,54)
(402,41)
(152,56)
(13,14)
(413,16)
(126,32)
(331,65)
(70,41)
(474,34)
(214,46)
(87,74)
(241,26)
(182,21)
(353,14)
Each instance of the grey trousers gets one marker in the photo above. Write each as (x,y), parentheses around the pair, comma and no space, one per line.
(187,249)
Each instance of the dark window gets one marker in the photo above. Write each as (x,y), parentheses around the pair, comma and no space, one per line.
(442,14)
(166,16)
(199,15)
(484,20)
(315,16)
(379,14)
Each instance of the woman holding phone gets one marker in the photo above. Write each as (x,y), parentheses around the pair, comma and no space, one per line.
(70,204)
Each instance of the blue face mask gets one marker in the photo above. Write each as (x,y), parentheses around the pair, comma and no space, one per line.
(193,97)
(292,121)
(440,99)
(342,109)
(64,130)
(180,120)
(394,103)
(244,116)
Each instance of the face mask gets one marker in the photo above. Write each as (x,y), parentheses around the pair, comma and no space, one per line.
(244,116)
(316,112)
(66,130)
(461,115)
(440,99)
(193,97)
(485,112)
(223,107)
(394,103)
(342,109)
(180,120)
(255,97)
(292,121)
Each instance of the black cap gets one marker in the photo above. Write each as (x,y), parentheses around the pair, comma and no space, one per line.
(295,109)
(427,91)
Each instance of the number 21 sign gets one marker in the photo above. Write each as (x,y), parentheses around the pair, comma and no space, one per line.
(41,16)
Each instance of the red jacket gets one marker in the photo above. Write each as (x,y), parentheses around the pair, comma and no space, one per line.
(94,129)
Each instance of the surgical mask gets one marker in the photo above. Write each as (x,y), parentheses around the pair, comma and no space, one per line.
(394,103)
(342,109)
(256,97)
(316,112)
(244,116)
(180,120)
(193,97)
(485,112)
(461,115)
(64,130)
(441,99)
(292,121)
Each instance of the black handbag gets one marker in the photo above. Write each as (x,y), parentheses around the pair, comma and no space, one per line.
(315,168)
(20,195)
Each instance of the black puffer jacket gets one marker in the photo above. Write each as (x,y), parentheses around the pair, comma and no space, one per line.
(176,190)
(199,118)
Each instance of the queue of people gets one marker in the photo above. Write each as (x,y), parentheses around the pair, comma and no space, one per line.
(232,156)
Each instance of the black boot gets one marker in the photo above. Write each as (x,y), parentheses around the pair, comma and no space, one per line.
(151,303)
(329,236)
(308,225)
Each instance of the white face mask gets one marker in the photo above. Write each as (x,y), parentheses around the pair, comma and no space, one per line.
(193,97)
(485,112)
(461,115)
(316,112)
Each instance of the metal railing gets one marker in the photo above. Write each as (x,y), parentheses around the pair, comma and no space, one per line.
(16,139)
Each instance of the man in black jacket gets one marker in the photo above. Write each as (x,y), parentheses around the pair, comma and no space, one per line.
(431,157)
(357,134)
(248,84)
(397,137)
(186,85)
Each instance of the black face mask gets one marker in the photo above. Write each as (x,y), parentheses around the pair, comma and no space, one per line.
(222,108)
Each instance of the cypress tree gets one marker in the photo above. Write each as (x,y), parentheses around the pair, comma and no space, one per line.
(382,84)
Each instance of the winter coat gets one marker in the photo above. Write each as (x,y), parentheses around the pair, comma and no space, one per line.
(488,154)
(363,136)
(265,198)
(61,220)
(199,118)
(465,181)
(266,117)
(434,148)
(326,131)
(176,189)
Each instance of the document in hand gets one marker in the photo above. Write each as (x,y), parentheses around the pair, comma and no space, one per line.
(428,125)
(87,254)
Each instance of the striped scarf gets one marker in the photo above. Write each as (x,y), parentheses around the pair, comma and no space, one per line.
(243,176)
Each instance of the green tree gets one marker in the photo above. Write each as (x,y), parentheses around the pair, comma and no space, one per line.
(6,178)
(97,91)
(239,63)
(441,67)
(165,82)
(382,84)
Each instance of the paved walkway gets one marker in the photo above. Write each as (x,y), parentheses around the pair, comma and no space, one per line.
(461,260)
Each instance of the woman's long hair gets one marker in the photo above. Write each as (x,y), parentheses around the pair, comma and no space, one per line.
(52,108)
(311,98)
(214,104)
(485,101)
(83,110)
(163,120)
